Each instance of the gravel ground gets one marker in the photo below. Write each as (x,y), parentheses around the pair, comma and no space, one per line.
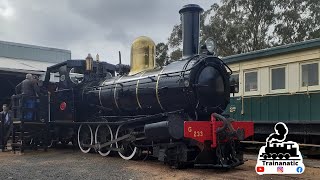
(68,164)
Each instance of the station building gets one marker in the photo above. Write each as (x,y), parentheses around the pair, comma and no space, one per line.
(16,60)
(278,84)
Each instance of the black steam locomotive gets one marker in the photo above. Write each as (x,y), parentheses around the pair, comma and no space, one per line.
(172,113)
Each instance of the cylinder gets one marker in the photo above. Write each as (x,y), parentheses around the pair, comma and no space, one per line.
(164,130)
(190,19)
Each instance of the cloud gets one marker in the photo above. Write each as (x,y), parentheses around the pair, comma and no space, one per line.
(95,26)
(5,9)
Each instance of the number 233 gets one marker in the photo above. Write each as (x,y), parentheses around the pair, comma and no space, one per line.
(197,133)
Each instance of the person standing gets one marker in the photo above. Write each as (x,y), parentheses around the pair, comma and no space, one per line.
(6,115)
(28,87)
(6,125)
(29,90)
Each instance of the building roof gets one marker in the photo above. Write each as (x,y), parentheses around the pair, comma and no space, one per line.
(23,66)
(310,44)
(32,52)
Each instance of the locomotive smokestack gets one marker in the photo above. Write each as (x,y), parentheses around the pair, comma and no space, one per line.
(190,19)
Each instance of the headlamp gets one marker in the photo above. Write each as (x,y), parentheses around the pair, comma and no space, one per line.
(210,45)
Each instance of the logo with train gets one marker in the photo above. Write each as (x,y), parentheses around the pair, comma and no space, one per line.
(279,156)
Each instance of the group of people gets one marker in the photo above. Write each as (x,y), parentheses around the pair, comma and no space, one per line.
(29,89)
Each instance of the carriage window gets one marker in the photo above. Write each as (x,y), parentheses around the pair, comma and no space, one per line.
(278,78)
(310,74)
(75,77)
(251,81)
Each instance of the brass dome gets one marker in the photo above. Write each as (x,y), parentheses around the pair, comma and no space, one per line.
(142,55)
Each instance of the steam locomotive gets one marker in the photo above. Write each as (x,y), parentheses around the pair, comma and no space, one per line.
(172,113)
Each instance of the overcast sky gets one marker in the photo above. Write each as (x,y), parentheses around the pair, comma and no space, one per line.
(90,26)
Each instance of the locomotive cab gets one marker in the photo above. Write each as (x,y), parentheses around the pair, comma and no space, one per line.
(64,80)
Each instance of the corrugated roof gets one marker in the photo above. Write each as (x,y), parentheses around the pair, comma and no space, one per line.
(21,65)
(34,46)
(32,52)
(314,43)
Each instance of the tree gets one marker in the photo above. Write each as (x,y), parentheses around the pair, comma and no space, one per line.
(176,54)
(161,53)
(240,26)
(298,20)
(175,38)
(237,26)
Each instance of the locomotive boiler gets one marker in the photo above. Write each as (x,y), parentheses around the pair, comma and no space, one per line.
(172,112)
(199,85)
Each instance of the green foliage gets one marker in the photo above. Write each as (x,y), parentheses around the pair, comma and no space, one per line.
(298,20)
(175,38)
(240,26)
(161,53)
(176,54)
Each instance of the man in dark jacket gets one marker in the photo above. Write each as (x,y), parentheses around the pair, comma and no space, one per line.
(29,90)
(6,115)
(28,87)
(6,125)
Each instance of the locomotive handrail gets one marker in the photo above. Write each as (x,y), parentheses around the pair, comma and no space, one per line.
(138,116)
(186,65)
(131,120)
(231,72)
(24,95)
(144,118)
(132,80)
(19,108)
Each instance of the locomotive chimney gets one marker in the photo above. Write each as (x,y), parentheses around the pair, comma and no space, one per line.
(190,19)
